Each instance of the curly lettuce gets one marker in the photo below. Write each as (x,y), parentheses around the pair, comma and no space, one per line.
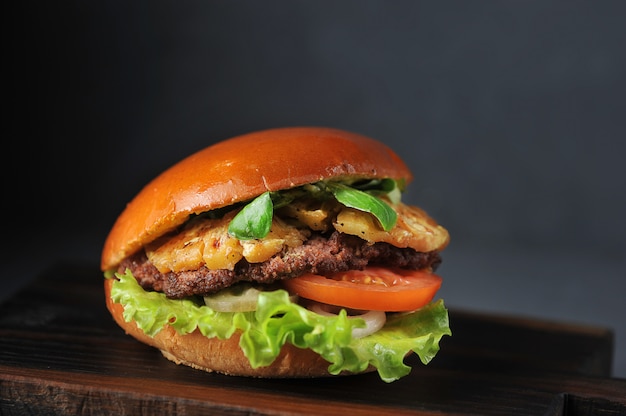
(277,321)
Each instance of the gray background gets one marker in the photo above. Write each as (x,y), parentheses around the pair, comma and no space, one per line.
(510,114)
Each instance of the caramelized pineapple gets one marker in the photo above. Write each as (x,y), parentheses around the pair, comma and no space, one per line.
(414,228)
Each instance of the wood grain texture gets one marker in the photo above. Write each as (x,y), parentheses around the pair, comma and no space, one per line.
(61,353)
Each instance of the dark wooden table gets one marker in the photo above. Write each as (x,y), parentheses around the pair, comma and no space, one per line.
(61,353)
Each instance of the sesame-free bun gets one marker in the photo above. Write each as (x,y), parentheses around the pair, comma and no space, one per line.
(240,169)
(221,356)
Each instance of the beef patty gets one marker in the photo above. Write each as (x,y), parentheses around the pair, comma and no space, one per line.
(320,254)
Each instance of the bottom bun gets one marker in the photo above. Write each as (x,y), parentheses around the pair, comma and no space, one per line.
(222,356)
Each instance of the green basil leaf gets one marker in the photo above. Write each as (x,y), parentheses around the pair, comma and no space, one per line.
(363,201)
(284,198)
(381,186)
(254,220)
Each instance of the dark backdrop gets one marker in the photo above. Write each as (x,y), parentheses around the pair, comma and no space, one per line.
(510,114)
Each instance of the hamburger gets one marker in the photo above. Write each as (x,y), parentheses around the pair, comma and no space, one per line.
(280,253)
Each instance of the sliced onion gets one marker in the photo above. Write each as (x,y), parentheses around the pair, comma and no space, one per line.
(374,320)
(239,298)
(242,297)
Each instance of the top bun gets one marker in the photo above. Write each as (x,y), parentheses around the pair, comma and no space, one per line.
(240,169)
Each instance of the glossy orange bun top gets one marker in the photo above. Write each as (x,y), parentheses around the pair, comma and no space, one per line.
(240,169)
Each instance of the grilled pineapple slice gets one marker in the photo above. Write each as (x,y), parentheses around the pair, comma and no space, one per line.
(414,228)
(207,242)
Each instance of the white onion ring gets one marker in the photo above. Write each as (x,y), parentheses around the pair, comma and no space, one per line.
(236,299)
(374,320)
(229,303)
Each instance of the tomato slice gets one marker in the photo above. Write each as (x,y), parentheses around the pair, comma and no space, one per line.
(374,288)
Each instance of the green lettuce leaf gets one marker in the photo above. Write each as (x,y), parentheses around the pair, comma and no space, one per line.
(278,321)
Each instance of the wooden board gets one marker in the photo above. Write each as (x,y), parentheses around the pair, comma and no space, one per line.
(61,353)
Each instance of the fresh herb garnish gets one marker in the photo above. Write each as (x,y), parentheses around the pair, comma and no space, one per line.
(390,188)
(364,201)
(255,219)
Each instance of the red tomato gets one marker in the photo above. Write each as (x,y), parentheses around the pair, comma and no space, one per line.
(374,288)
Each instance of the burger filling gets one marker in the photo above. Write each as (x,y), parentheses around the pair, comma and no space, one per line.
(305,230)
